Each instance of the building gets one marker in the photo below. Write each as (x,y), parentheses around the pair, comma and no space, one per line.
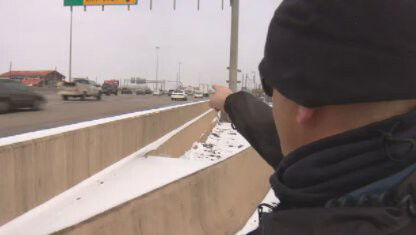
(46,78)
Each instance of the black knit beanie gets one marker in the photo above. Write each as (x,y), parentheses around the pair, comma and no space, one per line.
(330,52)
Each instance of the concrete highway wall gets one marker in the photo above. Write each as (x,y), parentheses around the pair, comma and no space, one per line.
(182,141)
(35,170)
(216,200)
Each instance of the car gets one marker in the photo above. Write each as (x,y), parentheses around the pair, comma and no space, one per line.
(14,95)
(198,95)
(126,90)
(158,92)
(170,92)
(79,88)
(109,89)
(189,92)
(148,91)
(179,95)
(140,91)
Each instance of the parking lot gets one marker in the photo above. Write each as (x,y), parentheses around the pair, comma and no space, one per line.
(59,112)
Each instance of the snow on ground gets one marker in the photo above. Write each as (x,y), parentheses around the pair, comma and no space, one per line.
(253,222)
(223,142)
(127,179)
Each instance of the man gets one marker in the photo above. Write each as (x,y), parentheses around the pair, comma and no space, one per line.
(342,76)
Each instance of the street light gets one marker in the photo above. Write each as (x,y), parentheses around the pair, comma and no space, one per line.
(10,70)
(179,72)
(157,66)
(70,47)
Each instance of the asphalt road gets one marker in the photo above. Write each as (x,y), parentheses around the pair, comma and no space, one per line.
(58,112)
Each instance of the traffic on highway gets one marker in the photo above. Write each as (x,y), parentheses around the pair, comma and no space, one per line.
(25,108)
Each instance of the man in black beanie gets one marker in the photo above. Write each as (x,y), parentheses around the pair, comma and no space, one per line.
(342,131)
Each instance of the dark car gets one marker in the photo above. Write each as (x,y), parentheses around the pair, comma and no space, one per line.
(14,95)
(140,92)
(126,90)
(148,91)
(170,92)
(109,89)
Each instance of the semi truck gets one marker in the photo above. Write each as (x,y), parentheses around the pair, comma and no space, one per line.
(110,87)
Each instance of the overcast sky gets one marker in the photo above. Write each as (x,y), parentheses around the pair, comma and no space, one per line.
(117,43)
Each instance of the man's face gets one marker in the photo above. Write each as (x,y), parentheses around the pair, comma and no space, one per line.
(284,113)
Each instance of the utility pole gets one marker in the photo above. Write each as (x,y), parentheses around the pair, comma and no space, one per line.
(10,70)
(157,66)
(70,47)
(235,4)
(179,72)
(245,76)
(199,79)
(254,80)
(246,85)
(242,81)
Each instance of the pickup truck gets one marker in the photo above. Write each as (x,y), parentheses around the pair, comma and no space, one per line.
(79,88)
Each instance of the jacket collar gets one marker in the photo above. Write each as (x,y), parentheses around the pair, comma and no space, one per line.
(338,165)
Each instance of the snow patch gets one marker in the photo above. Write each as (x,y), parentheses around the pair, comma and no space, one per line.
(253,223)
(222,143)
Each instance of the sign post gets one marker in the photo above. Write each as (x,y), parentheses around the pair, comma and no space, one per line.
(85,3)
(235,5)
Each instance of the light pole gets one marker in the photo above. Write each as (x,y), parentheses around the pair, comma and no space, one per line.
(179,72)
(70,47)
(235,4)
(10,70)
(157,66)
(254,79)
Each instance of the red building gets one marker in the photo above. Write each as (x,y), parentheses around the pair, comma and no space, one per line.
(47,78)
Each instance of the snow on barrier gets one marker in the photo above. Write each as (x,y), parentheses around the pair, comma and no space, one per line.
(211,189)
(39,165)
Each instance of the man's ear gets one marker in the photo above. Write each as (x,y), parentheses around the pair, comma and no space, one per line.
(304,115)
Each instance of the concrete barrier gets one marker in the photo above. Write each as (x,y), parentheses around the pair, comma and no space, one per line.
(35,170)
(216,200)
(182,141)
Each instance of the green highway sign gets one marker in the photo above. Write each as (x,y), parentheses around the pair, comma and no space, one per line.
(98,2)
(73,2)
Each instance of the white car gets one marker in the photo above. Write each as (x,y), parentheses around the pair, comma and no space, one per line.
(198,95)
(179,95)
(80,88)
(157,92)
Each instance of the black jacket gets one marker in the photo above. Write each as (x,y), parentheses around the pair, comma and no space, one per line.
(362,181)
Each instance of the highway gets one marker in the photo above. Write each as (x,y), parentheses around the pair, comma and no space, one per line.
(58,112)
